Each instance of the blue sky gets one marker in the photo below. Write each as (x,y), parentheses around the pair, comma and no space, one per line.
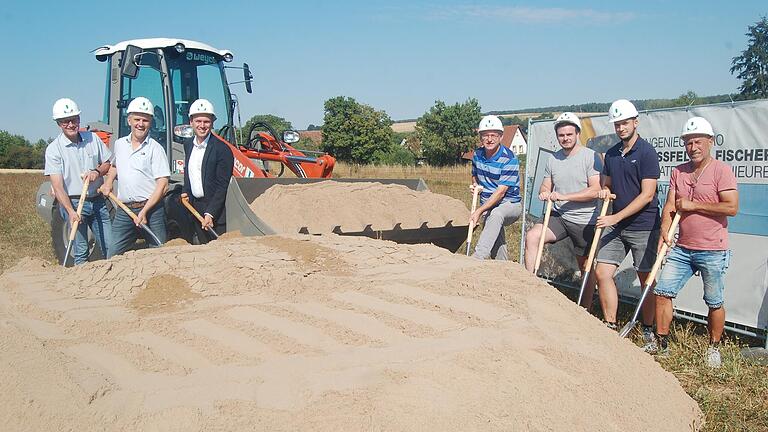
(397,56)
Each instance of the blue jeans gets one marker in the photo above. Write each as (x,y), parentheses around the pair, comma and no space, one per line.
(492,242)
(125,232)
(96,217)
(682,263)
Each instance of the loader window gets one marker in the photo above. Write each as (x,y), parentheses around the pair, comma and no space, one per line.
(148,83)
(198,74)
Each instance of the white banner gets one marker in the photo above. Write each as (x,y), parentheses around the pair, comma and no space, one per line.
(741,142)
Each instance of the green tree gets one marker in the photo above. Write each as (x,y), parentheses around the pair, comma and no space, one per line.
(515,120)
(279,124)
(17,152)
(752,64)
(447,131)
(355,132)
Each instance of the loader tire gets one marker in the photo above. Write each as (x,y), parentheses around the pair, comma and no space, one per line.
(60,237)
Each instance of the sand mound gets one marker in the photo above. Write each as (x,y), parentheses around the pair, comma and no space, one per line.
(178,241)
(315,333)
(353,206)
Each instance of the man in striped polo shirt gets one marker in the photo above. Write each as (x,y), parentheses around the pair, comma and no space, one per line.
(495,168)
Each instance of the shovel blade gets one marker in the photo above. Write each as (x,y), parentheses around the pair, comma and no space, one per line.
(151,234)
(583,285)
(627,328)
(66,255)
(215,234)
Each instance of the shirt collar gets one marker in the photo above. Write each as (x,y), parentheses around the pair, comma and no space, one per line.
(203,144)
(67,142)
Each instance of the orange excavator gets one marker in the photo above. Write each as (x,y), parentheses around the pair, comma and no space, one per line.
(172,73)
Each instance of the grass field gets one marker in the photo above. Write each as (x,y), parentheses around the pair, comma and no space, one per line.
(733,398)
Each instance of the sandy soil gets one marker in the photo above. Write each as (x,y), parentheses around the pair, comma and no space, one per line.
(315,333)
(353,206)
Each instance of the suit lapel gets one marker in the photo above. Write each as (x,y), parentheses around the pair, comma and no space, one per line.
(206,156)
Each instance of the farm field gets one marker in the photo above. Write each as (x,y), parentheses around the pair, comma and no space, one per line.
(734,398)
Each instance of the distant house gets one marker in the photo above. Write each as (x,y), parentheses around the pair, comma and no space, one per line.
(315,135)
(513,138)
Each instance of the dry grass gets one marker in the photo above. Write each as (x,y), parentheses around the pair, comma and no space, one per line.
(22,232)
(733,398)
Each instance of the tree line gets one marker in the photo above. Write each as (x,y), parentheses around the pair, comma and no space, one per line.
(17,152)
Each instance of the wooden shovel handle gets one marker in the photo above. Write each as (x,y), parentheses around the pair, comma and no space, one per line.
(663,251)
(124,207)
(195,213)
(598,231)
(79,211)
(475,193)
(540,249)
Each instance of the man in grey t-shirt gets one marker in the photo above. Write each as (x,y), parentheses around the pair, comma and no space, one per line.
(572,181)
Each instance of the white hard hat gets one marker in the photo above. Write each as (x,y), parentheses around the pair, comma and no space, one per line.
(65,107)
(620,110)
(141,105)
(490,122)
(568,118)
(201,106)
(697,125)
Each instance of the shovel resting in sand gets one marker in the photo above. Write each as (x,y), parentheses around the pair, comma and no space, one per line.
(73,230)
(185,201)
(475,192)
(540,249)
(593,249)
(651,276)
(135,218)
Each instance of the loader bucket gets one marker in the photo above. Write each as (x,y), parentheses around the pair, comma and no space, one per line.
(243,191)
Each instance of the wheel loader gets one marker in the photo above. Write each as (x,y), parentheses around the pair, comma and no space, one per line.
(173,73)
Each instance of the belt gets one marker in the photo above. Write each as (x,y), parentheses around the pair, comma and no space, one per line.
(135,204)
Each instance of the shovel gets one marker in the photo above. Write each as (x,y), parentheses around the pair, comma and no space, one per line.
(185,201)
(476,191)
(135,218)
(651,276)
(73,230)
(540,250)
(593,248)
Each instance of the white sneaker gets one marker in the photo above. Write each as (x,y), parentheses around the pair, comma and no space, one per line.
(713,358)
(651,347)
(649,338)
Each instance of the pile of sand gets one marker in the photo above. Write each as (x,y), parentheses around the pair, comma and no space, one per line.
(321,207)
(315,333)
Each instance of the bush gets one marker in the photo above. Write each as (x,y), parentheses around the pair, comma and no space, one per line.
(397,155)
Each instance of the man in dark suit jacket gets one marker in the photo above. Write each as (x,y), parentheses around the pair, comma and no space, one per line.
(208,166)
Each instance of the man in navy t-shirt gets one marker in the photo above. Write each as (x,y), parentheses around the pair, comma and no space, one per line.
(630,170)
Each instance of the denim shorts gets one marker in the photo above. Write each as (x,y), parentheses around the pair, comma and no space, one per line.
(682,263)
(616,243)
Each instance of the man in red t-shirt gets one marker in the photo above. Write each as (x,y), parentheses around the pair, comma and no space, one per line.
(704,191)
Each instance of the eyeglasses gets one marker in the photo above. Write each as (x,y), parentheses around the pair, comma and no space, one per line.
(490,135)
(65,122)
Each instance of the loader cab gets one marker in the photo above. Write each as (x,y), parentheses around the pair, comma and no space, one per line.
(172,73)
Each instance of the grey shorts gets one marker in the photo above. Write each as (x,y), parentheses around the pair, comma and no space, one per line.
(580,235)
(616,243)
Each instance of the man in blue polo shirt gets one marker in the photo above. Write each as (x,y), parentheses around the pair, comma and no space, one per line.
(630,170)
(497,170)
(69,158)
